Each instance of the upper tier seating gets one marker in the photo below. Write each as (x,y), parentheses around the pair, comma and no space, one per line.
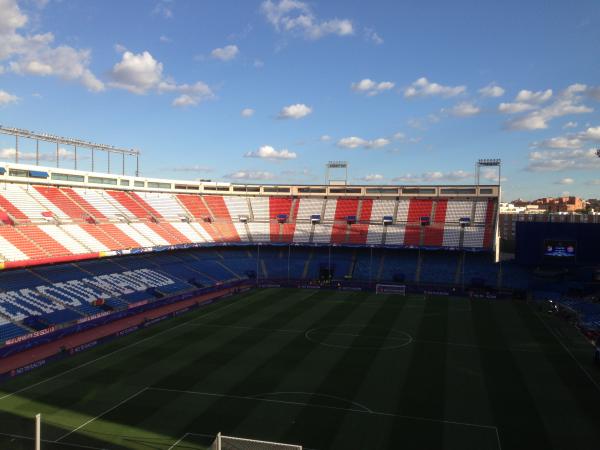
(50,223)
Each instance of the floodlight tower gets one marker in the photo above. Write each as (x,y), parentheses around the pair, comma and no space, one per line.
(335,165)
(492,162)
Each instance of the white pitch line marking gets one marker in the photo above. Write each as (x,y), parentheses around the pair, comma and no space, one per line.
(133,344)
(178,441)
(102,414)
(337,408)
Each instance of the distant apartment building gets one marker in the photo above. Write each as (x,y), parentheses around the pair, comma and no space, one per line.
(520,208)
(560,204)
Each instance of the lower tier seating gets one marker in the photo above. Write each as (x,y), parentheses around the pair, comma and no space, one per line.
(35,298)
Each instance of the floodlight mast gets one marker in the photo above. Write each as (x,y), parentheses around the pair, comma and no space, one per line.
(488,162)
(333,165)
(75,143)
(492,162)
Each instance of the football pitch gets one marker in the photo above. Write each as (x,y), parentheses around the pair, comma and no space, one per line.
(324,369)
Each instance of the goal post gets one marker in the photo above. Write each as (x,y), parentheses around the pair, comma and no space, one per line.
(38,432)
(222,442)
(398,289)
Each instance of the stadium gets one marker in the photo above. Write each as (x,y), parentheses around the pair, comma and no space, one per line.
(167,314)
(299,225)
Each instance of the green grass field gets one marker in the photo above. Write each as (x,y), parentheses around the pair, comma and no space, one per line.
(328,370)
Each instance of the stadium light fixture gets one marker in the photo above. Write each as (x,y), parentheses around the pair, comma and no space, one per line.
(74,142)
(487,162)
(335,165)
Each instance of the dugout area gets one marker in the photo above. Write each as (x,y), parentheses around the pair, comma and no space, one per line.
(325,369)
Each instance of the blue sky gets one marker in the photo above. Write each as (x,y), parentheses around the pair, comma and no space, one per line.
(268,91)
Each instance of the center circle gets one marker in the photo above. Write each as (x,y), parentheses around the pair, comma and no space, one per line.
(358,337)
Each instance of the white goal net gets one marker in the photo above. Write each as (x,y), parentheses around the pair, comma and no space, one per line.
(398,289)
(235,443)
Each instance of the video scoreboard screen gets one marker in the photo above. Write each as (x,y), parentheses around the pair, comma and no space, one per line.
(559,249)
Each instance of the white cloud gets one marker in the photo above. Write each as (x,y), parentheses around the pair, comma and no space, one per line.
(63,154)
(566,103)
(370,87)
(250,175)
(226,53)
(192,168)
(165,39)
(591,134)
(492,175)
(565,180)
(491,90)
(399,136)
(372,36)
(140,73)
(33,54)
(325,138)
(185,100)
(137,73)
(258,63)
(561,142)
(526,96)
(570,141)
(7,99)
(434,177)
(296,111)
(424,88)
(570,124)
(514,107)
(407,178)
(372,177)
(247,112)
(456,175)
(564,159)
(465,109)
(357,142)
(297,18)
(163,8)
(268,152)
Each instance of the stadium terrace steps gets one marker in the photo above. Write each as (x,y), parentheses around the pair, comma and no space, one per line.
(223,220)
(164,204)
(198,209)
(83,237)
(260,208)
(71,244)
(62,201)
(8,251)
(85,205)
(22,243)
(42,240)
(102,202)
(190,233)
(109,241)
(16,195)
(358,232)
(52,221)
(133,234)
(130,204)
(11,209)
(279,232)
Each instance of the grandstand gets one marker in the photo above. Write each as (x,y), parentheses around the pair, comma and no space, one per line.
(60,216)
